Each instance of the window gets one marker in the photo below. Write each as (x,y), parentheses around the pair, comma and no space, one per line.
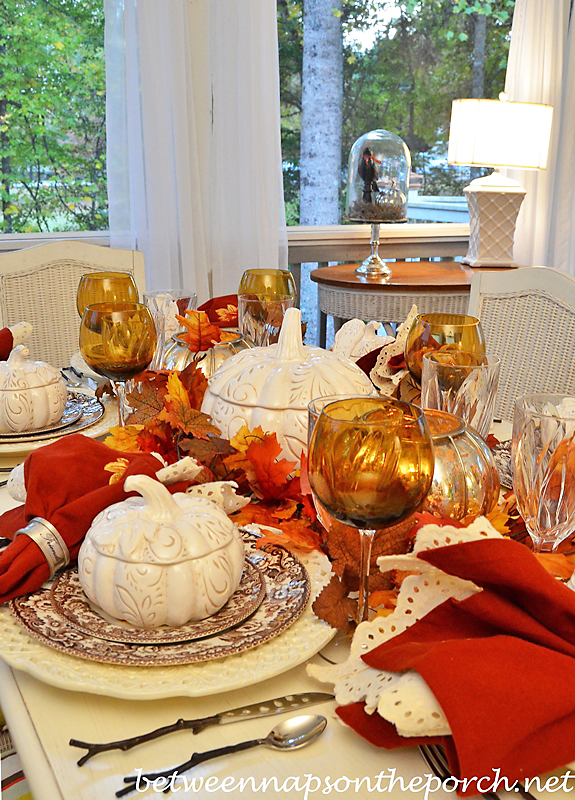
(52,116)
(402,64)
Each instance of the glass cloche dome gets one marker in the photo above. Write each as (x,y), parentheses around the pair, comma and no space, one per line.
(378,178)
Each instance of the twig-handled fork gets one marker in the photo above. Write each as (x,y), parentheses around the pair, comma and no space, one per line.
(435,758)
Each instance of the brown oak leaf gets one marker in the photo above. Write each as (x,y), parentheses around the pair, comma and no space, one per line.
(334,606)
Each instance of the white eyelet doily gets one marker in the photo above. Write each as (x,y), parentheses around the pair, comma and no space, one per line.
(222,493)
(404,699)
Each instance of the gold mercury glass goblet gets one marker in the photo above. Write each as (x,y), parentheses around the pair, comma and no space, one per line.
(118,340)
(458,338)
(370,466)
(105,287)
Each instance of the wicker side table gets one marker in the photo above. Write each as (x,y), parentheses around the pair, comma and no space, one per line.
(430,285)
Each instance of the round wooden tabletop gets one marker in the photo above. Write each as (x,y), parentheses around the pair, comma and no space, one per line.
(434,275)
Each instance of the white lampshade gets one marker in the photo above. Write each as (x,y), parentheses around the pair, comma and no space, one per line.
(499,133)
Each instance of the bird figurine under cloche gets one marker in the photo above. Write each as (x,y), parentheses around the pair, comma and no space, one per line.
(377,185)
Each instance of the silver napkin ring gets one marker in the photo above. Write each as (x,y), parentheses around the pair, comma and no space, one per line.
(49,541)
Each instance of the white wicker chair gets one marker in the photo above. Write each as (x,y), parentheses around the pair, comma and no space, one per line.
(38,285)
(528,316)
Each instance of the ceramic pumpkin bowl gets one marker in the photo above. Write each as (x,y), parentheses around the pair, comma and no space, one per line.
(33,394)
(272,386)
(160,559)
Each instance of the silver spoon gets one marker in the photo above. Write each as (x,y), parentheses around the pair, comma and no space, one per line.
(291,734)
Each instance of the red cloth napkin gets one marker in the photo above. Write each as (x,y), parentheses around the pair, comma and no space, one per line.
(6,343)
(66,484)
(500,663)
(211,307)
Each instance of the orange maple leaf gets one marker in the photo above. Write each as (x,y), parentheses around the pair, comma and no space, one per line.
(125,439)
(271,475)
(201,334)
(295,533)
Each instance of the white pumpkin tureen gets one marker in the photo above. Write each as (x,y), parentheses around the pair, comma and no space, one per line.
(272,386)
(33,394)
(160,559)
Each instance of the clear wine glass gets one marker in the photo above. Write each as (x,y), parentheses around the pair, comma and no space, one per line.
(447,334)
(105,287)
(118,340)
(543,460)
(370,465)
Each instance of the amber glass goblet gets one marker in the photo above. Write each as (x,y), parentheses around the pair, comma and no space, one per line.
(456,337)
(370,465)
(264,295)
(118,340)
(105,287)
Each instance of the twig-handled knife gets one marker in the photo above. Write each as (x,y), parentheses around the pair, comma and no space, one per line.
(279,705)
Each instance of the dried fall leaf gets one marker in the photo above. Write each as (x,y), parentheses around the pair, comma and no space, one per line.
(271,475)
(295,534)
(201,334)
(157,437)
(146,401)
(558,564)
(179,414)
(117,468)
(244,437)
(383,597)
(155,377)
(104,388)
(125,439)
(334,606)
(205,450)
(287,508)
(195,383)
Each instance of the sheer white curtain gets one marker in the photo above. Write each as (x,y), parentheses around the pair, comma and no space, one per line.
(540,67)
(193,127)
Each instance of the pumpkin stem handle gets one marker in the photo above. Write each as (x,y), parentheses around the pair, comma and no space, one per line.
(160,505)
(290,343)
(17,357)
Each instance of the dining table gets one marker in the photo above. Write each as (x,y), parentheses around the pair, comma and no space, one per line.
(49,698)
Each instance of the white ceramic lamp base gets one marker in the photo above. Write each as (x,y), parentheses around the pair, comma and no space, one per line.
(494,203)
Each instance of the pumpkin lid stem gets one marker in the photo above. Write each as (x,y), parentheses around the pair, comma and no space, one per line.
(160,505)
(290,343)
(17,356)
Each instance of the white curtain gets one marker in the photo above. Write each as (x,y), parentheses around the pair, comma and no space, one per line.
(193,129)
(540,67)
